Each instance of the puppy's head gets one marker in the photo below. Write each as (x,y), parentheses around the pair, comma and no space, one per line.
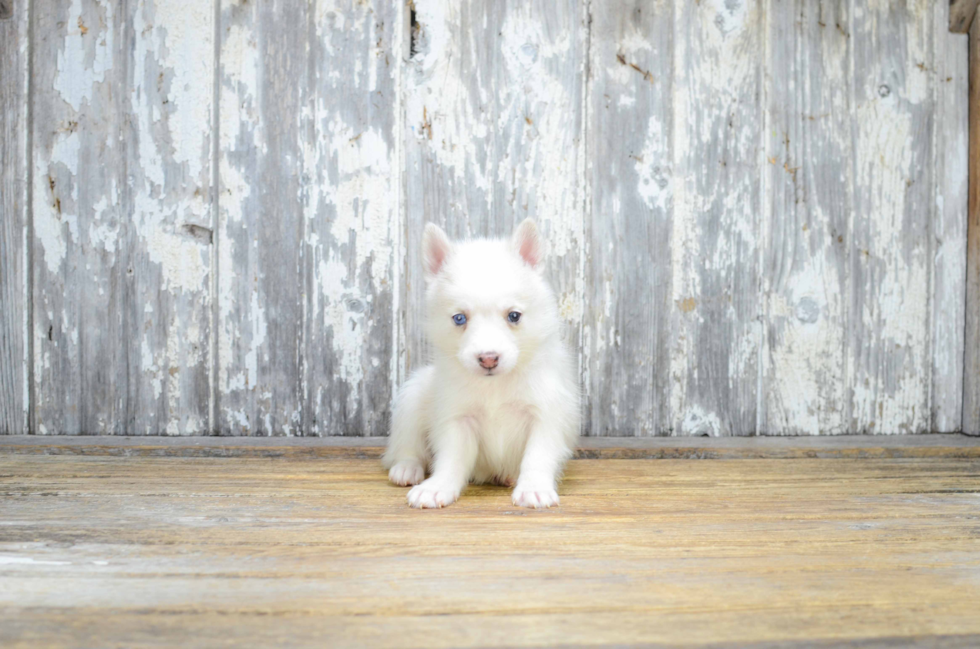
(488,306)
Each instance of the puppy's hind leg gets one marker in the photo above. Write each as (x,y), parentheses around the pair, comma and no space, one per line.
(407,453)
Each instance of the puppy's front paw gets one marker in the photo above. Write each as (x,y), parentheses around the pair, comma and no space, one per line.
(432,494)
(406,473)
(536,494)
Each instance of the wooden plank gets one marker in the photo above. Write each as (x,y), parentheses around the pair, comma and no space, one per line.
(949,225)
(808,164)
(308,211)
(351,213)
(121,184)
(808,255)
(971,372)
(493,134)
(961,14)
(630,179)
(265,113)
(716,333)
(198,552)
(14,275)
(889,364)
(783,447)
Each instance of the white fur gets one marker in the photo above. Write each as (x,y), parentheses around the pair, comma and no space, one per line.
(516,423)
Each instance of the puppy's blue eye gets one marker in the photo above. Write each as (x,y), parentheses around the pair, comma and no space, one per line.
(459,319)
(514,317)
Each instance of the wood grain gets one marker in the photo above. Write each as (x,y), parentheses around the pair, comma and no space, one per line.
(121,200)
(266,101)
(14,253)
(889,366)
(630,181)
(971,372)
(716,331)
(308,211)
(198,552)
(808,165)
(949,225)
(351,211)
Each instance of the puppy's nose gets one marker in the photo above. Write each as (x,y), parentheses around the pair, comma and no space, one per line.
(488,360)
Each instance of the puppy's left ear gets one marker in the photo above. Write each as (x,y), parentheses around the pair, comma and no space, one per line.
(527,242)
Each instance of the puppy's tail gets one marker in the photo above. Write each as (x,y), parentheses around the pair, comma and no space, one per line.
(410,420)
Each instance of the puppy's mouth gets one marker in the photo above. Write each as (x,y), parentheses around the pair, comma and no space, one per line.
(489,373)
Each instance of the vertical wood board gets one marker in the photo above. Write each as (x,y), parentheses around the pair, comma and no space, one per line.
(121,216)
(631,178)
(308,217)
(889,365)
(14,253)
(971,372)
(352,218)
(949,225)
(809,197)
(716,328)
(265,90)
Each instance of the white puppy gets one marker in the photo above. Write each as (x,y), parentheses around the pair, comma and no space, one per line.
(500,403)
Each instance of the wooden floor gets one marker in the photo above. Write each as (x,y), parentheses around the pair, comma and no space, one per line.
(105,550)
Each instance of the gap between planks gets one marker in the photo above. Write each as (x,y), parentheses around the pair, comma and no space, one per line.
(724,448)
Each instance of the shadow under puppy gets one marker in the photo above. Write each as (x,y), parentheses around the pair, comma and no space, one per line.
(500,402)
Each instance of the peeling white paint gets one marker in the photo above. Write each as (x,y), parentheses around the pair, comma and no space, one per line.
(807,360)
(240,81)
(896,304)
(51,205)
(120,167)
(258,338)
(184,263)
(102,234)
(535,102)
(362,197)
(186,50)
(149,366)
(238,114)
(699,423)
(86,54)
(454,131)
(490,140)
(652,167)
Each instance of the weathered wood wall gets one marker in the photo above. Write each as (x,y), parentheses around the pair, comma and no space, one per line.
(756,210)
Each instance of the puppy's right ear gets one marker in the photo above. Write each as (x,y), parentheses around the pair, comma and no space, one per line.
(435,250)
(527,242)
